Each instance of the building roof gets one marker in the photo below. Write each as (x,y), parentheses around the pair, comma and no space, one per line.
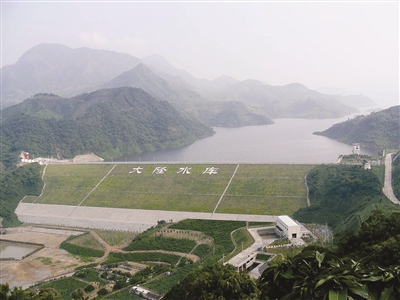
(288,221)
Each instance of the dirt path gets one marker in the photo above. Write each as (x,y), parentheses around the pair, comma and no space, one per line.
(52,262)
(118,249)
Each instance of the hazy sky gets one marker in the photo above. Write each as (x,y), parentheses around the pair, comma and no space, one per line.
(349,45)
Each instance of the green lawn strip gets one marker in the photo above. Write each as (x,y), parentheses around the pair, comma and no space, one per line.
(75,181)
(175,202)
(90,275)
(64,286)
(87,241)
(80,250)
(165,283)
(283,171)
(142,257)
(114,238)
(219,230)
(242,235)
(198,192)
(161,243)
(175,184)
(262,256)
(170,181)
(267,187)
(29,199)
(63,196)
(261,205)
(96,170)
(204,251)
(69,184)
(243,239)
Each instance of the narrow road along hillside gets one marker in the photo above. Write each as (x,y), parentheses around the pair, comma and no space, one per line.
(387,188)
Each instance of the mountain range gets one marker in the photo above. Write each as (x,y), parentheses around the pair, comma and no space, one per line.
(61,102)
(58,69)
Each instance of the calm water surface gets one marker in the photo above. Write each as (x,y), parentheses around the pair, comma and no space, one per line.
(15,250)
(286,141)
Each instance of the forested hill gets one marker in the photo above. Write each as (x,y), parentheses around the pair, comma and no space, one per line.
(377,131)
(109,122)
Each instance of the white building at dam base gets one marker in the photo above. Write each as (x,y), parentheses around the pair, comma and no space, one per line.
(286,227)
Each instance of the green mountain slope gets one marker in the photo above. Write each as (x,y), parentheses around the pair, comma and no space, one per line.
(109,122)
(14,185)
(377,131)
(342,196)
(188,102)
(142,77)
(230,114)
(396,175)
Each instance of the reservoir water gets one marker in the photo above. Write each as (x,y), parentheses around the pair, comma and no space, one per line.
(285,141)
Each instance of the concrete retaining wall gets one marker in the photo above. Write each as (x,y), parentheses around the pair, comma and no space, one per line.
(135,220)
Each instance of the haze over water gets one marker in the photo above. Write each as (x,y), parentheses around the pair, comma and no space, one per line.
(286,141)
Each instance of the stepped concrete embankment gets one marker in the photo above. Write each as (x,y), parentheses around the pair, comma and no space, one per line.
(135,220)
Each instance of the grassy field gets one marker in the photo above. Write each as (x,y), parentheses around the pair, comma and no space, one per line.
(64,287)
(254,189)
(114,238)
(87,241)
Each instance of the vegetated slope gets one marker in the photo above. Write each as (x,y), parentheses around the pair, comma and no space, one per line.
(230,114)
(255,189)
(341,195)
(396,176)
(109,122)
(364,266)
(61,70)
(142,77)
(188,102)
(377,131)
(14,185)
(377,242)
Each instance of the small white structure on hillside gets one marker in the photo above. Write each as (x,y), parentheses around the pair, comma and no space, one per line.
(367,165)
(287,227)
(356,148)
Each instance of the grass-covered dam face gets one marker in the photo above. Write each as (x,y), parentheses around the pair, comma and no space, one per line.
(265,189)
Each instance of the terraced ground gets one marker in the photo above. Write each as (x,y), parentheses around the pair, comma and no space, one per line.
(252,189)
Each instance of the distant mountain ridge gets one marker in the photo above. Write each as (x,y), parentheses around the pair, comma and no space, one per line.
(108,122)
(188,102)
(52,68)
(376,131)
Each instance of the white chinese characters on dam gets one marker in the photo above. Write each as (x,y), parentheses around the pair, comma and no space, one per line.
(184,170)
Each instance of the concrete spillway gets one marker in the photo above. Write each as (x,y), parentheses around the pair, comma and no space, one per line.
(136,220)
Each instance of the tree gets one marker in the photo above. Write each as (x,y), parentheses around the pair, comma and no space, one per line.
(215,281)
(19,294)
(315,273)
(376,243)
